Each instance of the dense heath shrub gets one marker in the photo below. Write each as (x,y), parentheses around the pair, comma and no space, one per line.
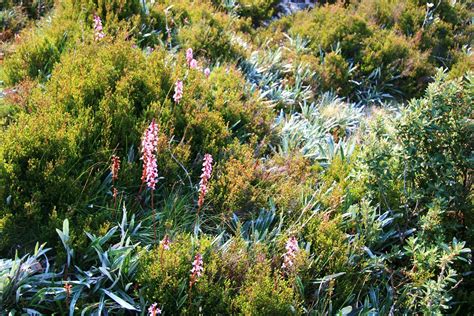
(207,30)
(225,275)
(104,94)
(257,10)
(435,136)
(328,27)
(12,20)
(39,50)
(371,201)
(372,47)
(171,270)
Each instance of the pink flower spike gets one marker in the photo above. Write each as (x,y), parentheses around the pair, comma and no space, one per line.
(189,56)
(154,310)
(198,268)
(149,145)
(166,243)
(178,91)
(207,72)
(98,28)
(291,250)
(193,64)
(115,167)
(205,176)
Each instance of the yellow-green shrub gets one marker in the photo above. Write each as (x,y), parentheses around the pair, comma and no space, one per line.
(266,293)
(105,95)
(328,26)
(39,50)
(164,277)
(257,10)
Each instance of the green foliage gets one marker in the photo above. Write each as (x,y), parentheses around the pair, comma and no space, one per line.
(96,280)
(109,11)
(32,8)
(40,49)
(264,293)
(11,22)
(200,26)
(19,276)
(437,147)
(434,276)
(170,269)
(373,51)
(98,103)
(308,142)
(331,26)
(257,10)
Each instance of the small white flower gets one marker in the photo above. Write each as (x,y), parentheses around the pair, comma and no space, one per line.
(430,5)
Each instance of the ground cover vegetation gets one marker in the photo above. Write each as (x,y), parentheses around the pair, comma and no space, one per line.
(226,157)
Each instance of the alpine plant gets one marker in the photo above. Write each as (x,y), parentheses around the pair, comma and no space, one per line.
(98,29)
(178,91)
(290,255)
(189,56)
(149,144)
(154,310)
(205,176)
(150,168)
(197,270)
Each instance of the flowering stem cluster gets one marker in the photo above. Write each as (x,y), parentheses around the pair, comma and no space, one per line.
(189,55)
(150,168)
(205,176)
(165,243)
(290,255)
(197,270)
(154,310)
(98,29)
(178,91)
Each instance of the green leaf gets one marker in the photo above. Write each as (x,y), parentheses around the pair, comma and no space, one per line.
(120,301)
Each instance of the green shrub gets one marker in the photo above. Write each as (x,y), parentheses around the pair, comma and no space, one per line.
(40,50)
(164,277)
(374,51)
(235,188)
(258,10)
(436,145)
(400,64)
(335,74)
(330,26)
(109,10)
(11,22)
(105,94)
(266,293)
(207,31)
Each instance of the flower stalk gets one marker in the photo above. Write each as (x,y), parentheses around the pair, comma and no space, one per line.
(205,176)
(150,167)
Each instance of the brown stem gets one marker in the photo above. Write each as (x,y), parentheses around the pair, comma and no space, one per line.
(115,197)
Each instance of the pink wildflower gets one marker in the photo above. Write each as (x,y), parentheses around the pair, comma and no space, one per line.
(149,144)
(178,91)
(189,56)
(206,174)
(98,28)
(154,310)
(193,64)
(115,167)
(166,243)
(197,269)
(207,72)
(290,255)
